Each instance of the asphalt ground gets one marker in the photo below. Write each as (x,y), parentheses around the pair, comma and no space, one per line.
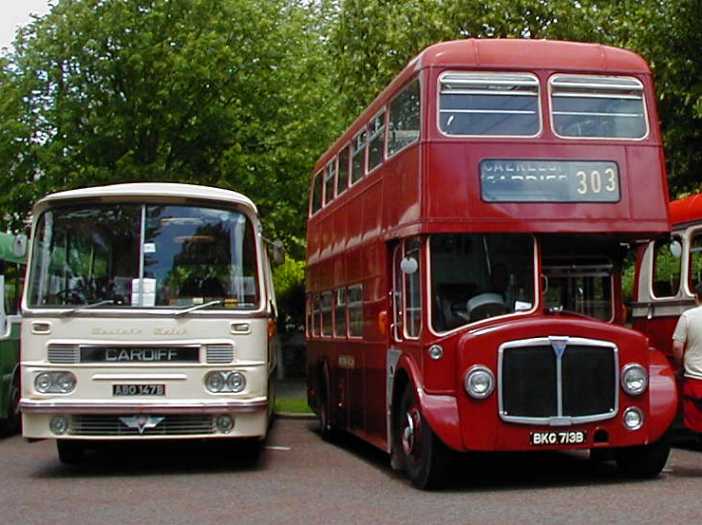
(301,479)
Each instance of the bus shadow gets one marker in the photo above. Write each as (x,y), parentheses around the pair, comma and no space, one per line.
(156,458)
(501,471)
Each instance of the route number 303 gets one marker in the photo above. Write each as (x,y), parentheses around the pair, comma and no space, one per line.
(596,181)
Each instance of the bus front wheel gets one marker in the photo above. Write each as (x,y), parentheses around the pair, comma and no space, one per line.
(70,452)
(420,454)
(13,422)
(326,428)
(644,461)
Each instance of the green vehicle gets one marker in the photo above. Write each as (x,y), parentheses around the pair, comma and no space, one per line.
(12,267)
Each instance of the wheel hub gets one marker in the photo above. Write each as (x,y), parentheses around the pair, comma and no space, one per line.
(409,433)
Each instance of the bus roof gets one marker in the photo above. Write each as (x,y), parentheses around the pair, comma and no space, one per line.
(505,54)
(688,209)
(146,190)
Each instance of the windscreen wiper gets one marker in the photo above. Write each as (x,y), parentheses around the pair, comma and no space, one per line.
(88,306)
(199,307)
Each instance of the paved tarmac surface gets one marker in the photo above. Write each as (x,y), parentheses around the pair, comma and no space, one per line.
(301,479)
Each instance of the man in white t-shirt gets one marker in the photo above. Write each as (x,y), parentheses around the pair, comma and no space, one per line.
(687,352)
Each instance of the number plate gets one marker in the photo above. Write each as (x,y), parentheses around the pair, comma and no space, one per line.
(545,439)
(138,390)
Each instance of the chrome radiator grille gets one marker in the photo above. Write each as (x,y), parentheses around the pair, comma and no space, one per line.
(63,354)
(558,381)
(219,354)
(175,425)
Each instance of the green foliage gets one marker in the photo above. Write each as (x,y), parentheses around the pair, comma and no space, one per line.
(289,284)
(230,93)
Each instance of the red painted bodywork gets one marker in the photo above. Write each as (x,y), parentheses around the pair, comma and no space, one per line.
(432,187)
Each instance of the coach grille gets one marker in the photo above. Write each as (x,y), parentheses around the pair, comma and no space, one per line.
(63,354)
(175,425)
(537,385)
(220,354)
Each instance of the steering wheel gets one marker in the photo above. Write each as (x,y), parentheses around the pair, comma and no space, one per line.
(486,305)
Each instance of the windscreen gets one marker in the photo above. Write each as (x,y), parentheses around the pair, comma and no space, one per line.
(145,256)
(476,276)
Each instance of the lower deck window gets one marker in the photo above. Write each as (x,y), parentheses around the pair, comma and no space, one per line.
(356,310)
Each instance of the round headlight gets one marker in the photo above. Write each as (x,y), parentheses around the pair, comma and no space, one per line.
(214,381)
(633,418)
(479,382)
(236,382)
(634,379)
(43,383)
(224,424)
(66,382)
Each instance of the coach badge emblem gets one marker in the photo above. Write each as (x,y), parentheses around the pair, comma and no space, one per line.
(559,345)
(141,422)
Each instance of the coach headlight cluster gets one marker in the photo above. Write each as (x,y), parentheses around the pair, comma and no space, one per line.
(634,379)
(55,383)
(225,381)
(479,382)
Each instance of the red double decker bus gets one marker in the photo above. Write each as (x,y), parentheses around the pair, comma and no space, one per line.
(465,244)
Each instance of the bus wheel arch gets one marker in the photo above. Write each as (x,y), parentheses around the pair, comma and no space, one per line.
(326,425)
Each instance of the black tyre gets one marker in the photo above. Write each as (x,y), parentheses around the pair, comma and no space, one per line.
(645,461)
(70,452)
(13,422)
(416,449)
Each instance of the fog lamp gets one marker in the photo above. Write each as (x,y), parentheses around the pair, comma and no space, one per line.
(236,382)
(479,382)
(633,418)
(214,381)
(634,379)
(224,424)
(58,425)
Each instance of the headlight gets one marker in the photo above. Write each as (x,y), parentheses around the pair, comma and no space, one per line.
(236,382)
(214,381)
(479,382)
(55,383)
(634,379)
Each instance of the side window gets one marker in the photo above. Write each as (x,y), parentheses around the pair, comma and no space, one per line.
(343,178)
(340,313)
(403,121)
(316,319)
(666,267)
(14,282)
(376,145)
(356,310)
(695,277)
(413,298)
(398,313)
(327,326)
(329,179)
(358,158)
(317,193)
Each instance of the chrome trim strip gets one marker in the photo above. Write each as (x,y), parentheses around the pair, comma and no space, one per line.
(111,407)
(140,377)
(559,419)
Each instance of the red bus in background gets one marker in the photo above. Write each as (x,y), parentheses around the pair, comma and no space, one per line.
(668,271)
(465,243)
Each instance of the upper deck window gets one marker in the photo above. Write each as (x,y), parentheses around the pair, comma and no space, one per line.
(489,104)
(358,157)
(403,120)
(376,129)
(343,177)
(598,107)
(329,179)
(317,193)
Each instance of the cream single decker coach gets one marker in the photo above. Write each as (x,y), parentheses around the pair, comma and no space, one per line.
(149,314)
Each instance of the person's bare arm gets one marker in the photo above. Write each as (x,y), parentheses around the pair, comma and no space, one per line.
(678,350)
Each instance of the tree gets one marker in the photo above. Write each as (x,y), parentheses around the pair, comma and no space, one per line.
(230,93)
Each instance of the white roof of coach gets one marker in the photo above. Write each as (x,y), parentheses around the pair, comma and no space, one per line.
(150,189)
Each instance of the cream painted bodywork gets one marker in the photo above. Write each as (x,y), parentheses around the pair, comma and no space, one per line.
(254,353)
